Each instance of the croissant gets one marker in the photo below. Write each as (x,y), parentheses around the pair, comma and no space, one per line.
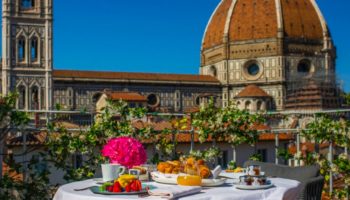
(200,162)
(190,161)
(162,166)
(174,163)
(169,169)
(204,171)
(191,170)
(176,171)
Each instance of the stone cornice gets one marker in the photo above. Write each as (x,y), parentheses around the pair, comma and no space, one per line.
(60,79)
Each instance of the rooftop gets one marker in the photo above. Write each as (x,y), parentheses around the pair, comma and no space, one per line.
(126,96)
(127,76)
(252,91)
(242,20)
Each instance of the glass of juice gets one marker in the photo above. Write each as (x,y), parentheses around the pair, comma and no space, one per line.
(189,180)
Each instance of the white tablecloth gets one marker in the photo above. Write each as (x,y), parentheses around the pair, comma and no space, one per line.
(285,190)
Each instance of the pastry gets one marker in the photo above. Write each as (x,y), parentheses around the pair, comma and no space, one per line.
(204,171)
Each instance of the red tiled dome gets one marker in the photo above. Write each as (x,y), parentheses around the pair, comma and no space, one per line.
(240,20)
(252,91)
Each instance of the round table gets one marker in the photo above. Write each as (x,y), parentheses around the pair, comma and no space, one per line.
(284,189)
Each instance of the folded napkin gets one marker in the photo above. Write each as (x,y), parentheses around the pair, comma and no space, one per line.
(216,171)
(174,192)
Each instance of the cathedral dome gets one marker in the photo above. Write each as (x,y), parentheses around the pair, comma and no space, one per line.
(236,21)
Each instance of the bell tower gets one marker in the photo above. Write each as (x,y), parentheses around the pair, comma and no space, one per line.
(27,52)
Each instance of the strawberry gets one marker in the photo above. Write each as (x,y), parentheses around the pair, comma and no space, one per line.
(133,186)
(109,188)
(138,185)
(128,188)
(117,187)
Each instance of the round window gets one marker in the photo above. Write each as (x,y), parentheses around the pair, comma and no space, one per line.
(152,100)
(253,69)
(304,67)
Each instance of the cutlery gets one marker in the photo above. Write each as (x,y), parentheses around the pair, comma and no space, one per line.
(146,194)
(82,189)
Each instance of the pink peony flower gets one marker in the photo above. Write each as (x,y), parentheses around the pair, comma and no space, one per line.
(125,151)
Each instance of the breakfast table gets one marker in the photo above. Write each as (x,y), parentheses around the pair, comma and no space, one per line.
(284,189)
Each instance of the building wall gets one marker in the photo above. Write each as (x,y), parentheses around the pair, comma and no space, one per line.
(277,74)
(270,77)
(175,98)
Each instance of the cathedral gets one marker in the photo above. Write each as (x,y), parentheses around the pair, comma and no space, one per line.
(272,55)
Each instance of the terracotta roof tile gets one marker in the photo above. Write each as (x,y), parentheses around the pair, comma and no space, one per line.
(271,136)
(157,126)
(215,30)
(13,174)
(301,20)
(180,137)
(251,20)
(261,127)
(192,110)
(307,146)
(126,96)
(31,139)
(252,91)
(133,76)
(186,138)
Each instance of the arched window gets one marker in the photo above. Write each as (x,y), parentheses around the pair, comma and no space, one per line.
(213,71)
(35,98)
(268,105)
(27,3)
(21,97)
(198,101)
(34,49)
(21,49)
(96,97)
(238,103)
(42,98)
(247,105)
(259,105)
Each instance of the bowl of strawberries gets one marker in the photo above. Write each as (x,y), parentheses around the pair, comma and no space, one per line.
(125,185)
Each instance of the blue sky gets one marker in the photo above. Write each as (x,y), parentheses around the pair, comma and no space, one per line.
(155,35)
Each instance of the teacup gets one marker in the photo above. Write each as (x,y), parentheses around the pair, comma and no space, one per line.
(111,171)
(253,170)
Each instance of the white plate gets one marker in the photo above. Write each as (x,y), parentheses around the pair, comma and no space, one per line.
(232,175)
(171,179)
(254,187)
(165,180)
(142,177)
(213,182)
(99,181)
